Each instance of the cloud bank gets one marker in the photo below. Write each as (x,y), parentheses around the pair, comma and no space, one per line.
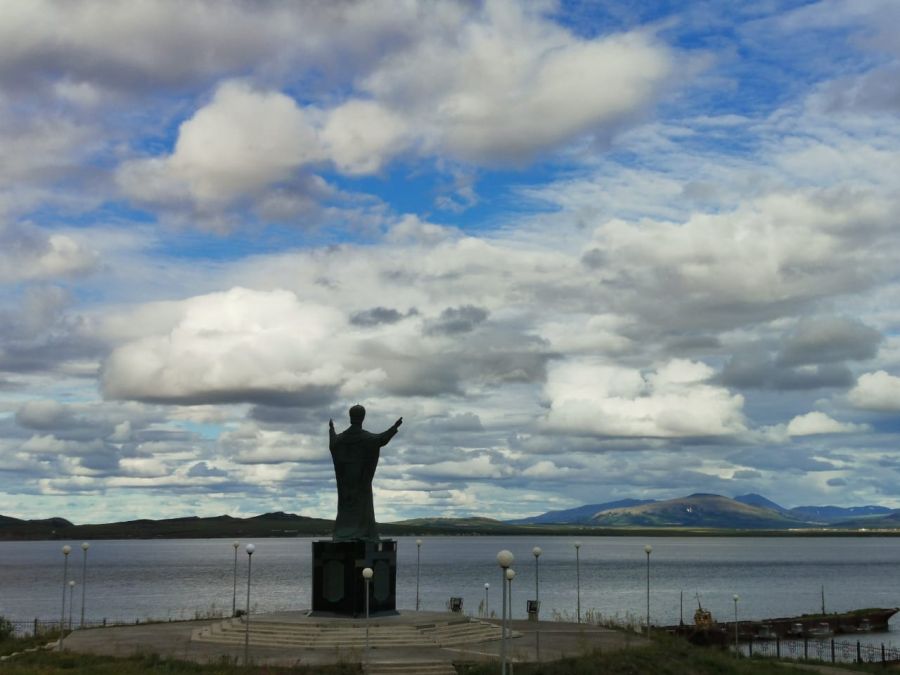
(586,255)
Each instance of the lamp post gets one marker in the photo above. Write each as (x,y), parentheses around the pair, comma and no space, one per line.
(367,576)
(84,549)
(504,559)
(249,548)
(236,545)
(648,549)
(578,580)
(62,615)
(510,575)
(71,592)
(487,612)
(735,598)
(418,561)
(536,552)
(509,606)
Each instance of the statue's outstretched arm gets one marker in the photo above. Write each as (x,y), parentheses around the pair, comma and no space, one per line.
(386,436)
(331,434)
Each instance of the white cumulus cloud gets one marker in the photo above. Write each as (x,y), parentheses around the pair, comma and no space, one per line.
(243,140)
(816,422)
(750,261)
(497,85)
(359,136)
(675,400)
(29,253)
(876,391)
(232,346)
(509,84)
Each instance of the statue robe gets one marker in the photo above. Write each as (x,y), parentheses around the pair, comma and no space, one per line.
(355,454)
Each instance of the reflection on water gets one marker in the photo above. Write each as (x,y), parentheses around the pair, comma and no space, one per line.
(777,576)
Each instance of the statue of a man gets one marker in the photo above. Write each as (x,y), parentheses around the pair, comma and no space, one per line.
(355,454)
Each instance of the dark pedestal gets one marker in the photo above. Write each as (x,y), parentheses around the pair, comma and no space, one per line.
(338,584)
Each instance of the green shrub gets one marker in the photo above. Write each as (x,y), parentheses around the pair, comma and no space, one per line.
(6,628)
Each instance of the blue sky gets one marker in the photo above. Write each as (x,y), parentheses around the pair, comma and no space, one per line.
(588,250)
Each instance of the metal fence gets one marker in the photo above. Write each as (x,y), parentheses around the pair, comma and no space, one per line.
(48,626)
(833,651)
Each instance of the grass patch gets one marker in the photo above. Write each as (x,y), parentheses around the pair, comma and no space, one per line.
(11,644)
(70,663)
(663,657)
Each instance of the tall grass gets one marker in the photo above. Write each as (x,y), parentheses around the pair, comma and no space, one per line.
(69,663)
(661,657)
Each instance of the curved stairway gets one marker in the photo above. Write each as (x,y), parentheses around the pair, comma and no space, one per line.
(310,633)
(422,668)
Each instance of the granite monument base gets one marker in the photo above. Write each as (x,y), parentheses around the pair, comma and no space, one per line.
(338,584)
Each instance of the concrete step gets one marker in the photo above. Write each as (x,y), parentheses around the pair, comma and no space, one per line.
(424,668)
(337,639)
(237,639)
(355,642)
(467,630)
(352,636)
(298,630)
(317,645)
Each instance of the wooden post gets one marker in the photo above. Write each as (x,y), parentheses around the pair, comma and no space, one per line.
(858,653)
(777,647)
(805,648)
(832,650)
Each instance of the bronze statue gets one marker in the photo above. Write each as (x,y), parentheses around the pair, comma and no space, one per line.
(355,454)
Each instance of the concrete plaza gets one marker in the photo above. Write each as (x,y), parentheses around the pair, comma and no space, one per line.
(407,638)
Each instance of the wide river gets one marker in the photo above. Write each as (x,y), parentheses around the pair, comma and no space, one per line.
(184,578)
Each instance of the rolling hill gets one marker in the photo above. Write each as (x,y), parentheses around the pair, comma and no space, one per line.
(578,515)
(721,514)
(889,521)
(753,499)
(836,514)
(265,525)
(696,511)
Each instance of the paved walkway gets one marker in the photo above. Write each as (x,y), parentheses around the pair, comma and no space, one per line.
(173,640)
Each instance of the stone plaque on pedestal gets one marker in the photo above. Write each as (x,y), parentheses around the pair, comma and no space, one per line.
(338,584)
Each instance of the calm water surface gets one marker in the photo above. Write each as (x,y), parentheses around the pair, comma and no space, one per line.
(185,577)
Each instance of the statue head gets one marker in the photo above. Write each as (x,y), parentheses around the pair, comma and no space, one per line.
(357,414)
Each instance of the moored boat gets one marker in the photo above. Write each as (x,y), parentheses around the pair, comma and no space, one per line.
(765,632)
(820,630)
(707,631)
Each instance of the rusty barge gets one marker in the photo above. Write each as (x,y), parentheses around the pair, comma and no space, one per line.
(706,631)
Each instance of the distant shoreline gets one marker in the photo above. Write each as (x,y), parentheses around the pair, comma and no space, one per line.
(283,525)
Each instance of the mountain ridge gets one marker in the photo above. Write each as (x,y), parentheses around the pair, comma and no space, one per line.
(834,514)
(699,510)
(809,516)
(754,499)
(699,513)
(579,514)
